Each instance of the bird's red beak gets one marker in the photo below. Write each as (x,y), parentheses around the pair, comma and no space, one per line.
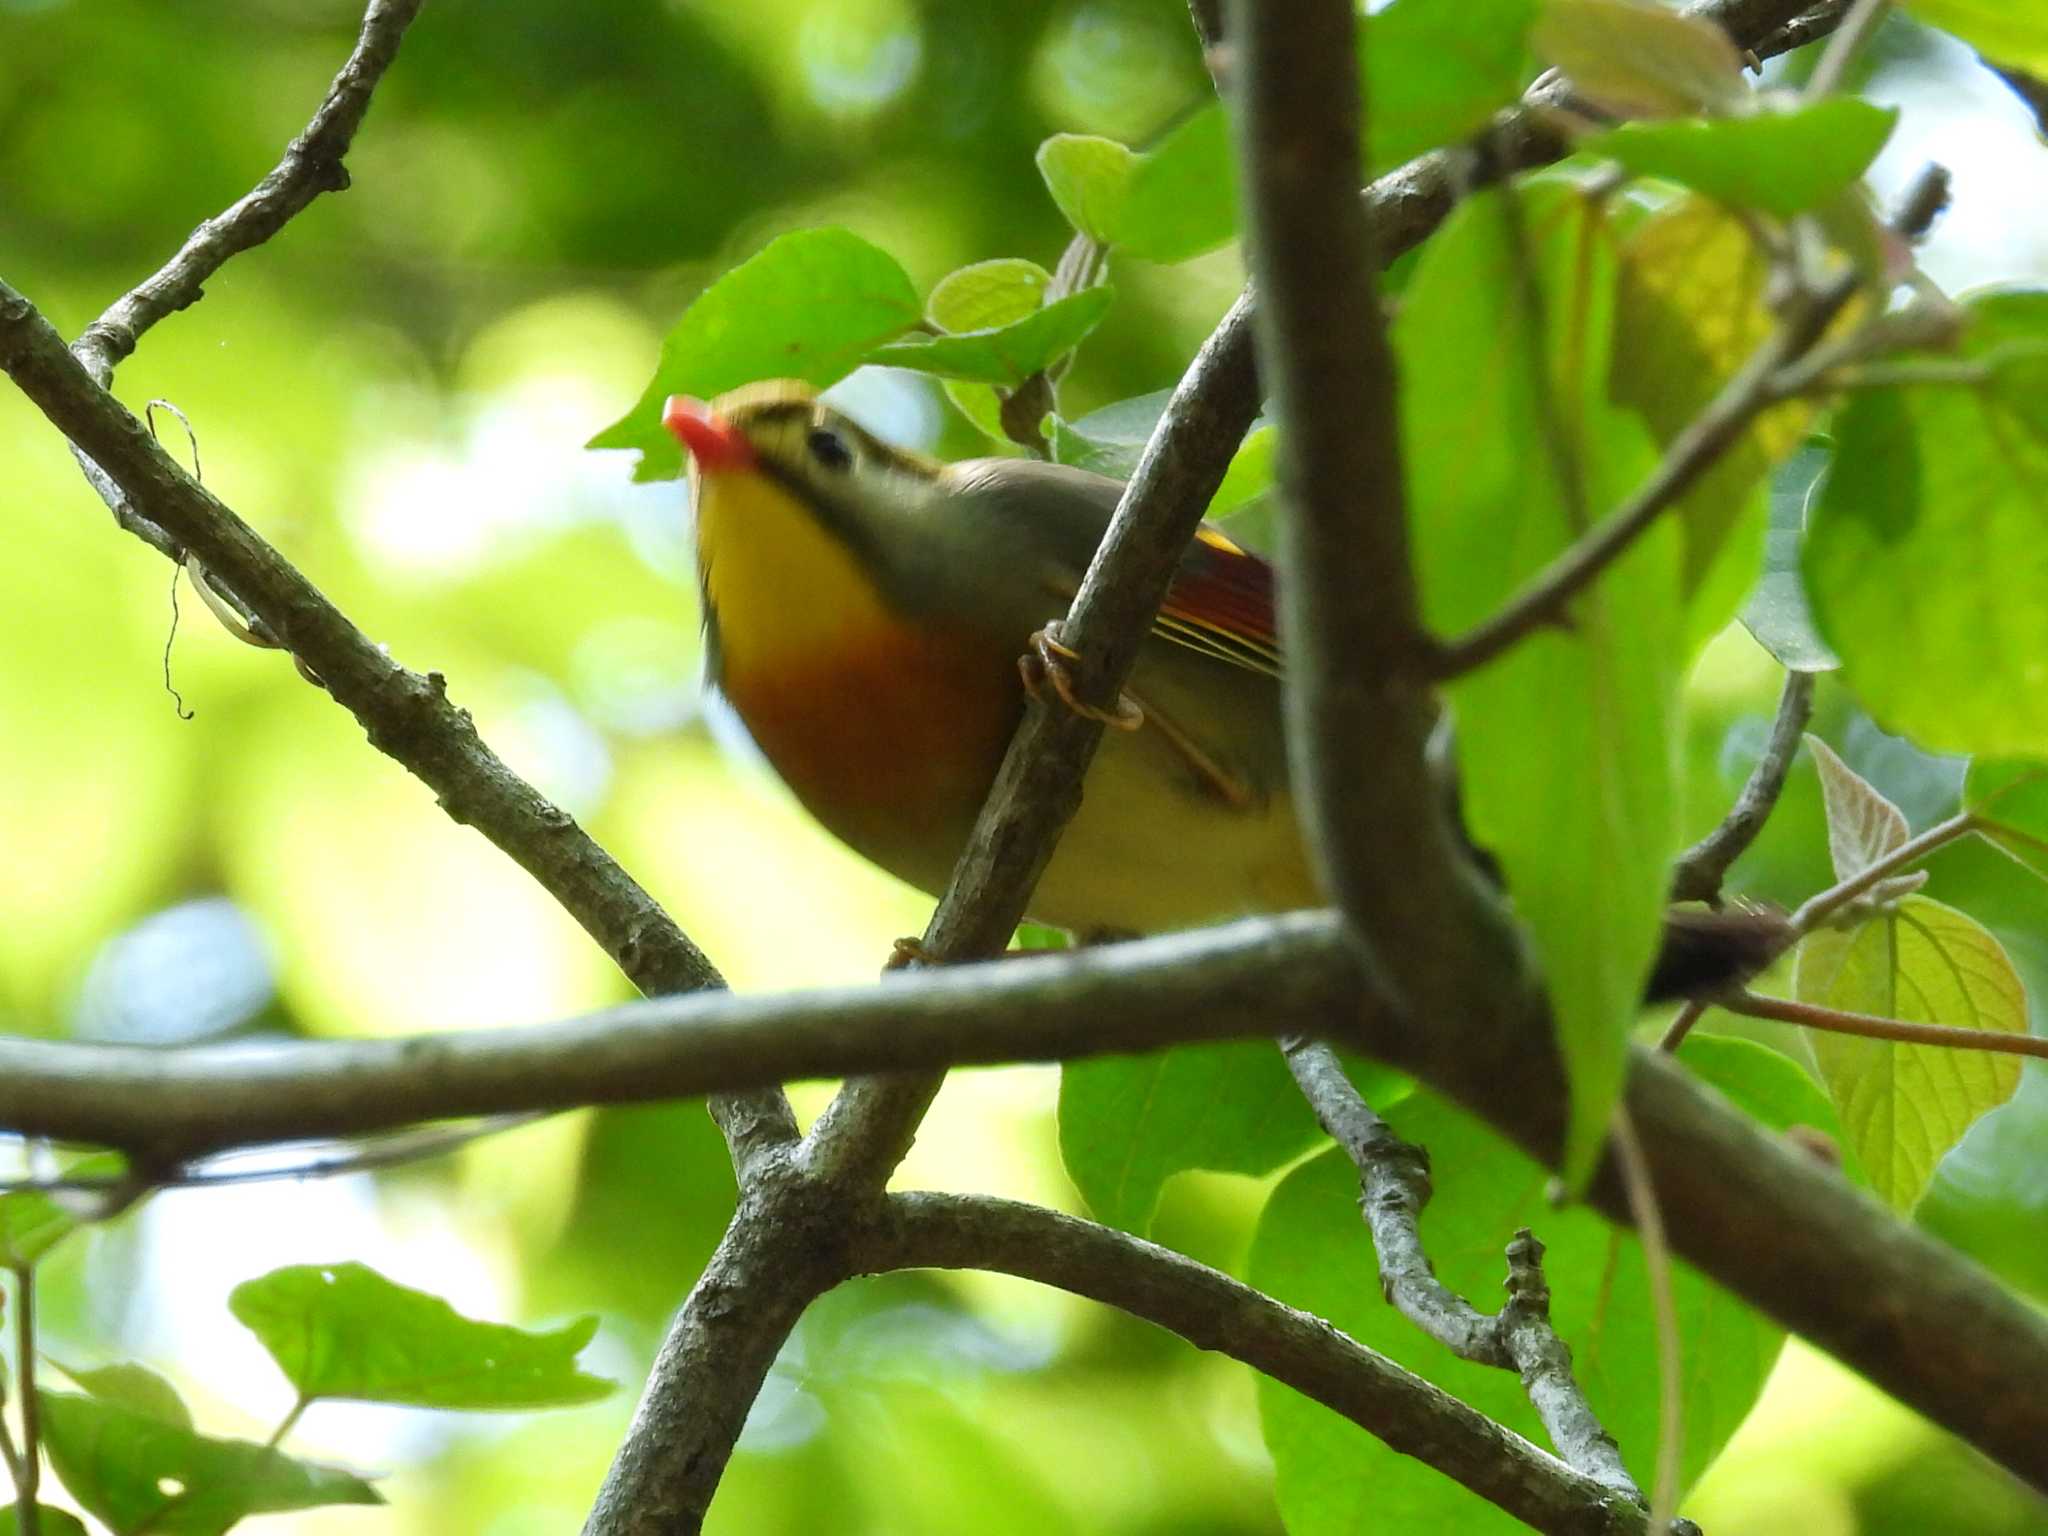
(715,443)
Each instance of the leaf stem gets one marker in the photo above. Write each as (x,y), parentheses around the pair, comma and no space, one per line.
(287,1423)
(1835,1021)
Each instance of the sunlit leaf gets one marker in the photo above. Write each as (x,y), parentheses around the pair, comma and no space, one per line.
(2011,795)
(1089,178)
(1692,307)
(1182,198)
(811,306)
(1781,162)
(1924,556)
(1436,70)
(1863,826)
(1566,742)
(1903,1106)
(1640,59)
(2011,32)
(128,1384)
(1777,613)
(1007,354)
(343,1330)
(1129,1123)
(988,294)
(1111,440)
(1313,1251)
(134,1471)
(49,1521)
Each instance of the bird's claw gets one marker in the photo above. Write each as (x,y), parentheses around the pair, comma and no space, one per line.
(1051,661)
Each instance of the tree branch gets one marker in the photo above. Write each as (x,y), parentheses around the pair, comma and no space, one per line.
(1696,449)
(170,1106)
(1394,1186)
(1698,874)
(1213,1311)
(312,164)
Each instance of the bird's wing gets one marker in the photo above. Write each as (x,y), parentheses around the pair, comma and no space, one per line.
(1221,600)
(1221,603)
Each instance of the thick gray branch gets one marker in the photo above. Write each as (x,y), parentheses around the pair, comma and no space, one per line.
(1212,984)
(1213,1311)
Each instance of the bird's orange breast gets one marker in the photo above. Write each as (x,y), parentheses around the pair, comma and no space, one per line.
(890,741)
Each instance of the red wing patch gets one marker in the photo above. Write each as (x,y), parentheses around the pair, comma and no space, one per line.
(1221,603)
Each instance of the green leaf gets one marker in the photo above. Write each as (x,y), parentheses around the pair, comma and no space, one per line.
(1863,826)
(49,1521)
(127,1384)
(1312,1250)
(32,1223)
(2011,795)
(1129,1123)
(1008,354)
(811,306)
(1111,440)
(132,1470)
(1924,555)
(1692,304)
(1182,198)
(2011,32)
(1903,1106)
(1436,70)
(1089,179)
(988,294)
(343,1330)
(1782,162)
(1566,742)
(1777,613)
(1640,59)
(1767,1084)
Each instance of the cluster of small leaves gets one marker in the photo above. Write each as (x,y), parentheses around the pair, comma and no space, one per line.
(125,1445)
(1553,339)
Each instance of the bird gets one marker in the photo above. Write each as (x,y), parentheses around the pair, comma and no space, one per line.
(866,608)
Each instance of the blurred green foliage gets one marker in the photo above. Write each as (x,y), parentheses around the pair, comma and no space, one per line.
(395,391)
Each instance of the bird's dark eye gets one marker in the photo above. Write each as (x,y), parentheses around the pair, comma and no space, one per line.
(829,448)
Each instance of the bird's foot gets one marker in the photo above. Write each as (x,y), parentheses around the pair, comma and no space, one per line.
(1049,661)
(905,953)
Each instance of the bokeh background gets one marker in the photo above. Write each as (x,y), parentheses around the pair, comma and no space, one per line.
(396,392)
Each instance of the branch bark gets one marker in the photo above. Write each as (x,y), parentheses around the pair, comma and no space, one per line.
(1698,874)
(1213,1311)
(1394,1186)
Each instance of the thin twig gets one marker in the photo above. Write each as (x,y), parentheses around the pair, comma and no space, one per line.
(1213,1311)
(1682,1024)
(1873,1027)
(1698,874)
(1394,1187)
(1696,449)
(1801,30)
(1818,909)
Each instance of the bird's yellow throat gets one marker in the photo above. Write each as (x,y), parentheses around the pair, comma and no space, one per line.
(784,590)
